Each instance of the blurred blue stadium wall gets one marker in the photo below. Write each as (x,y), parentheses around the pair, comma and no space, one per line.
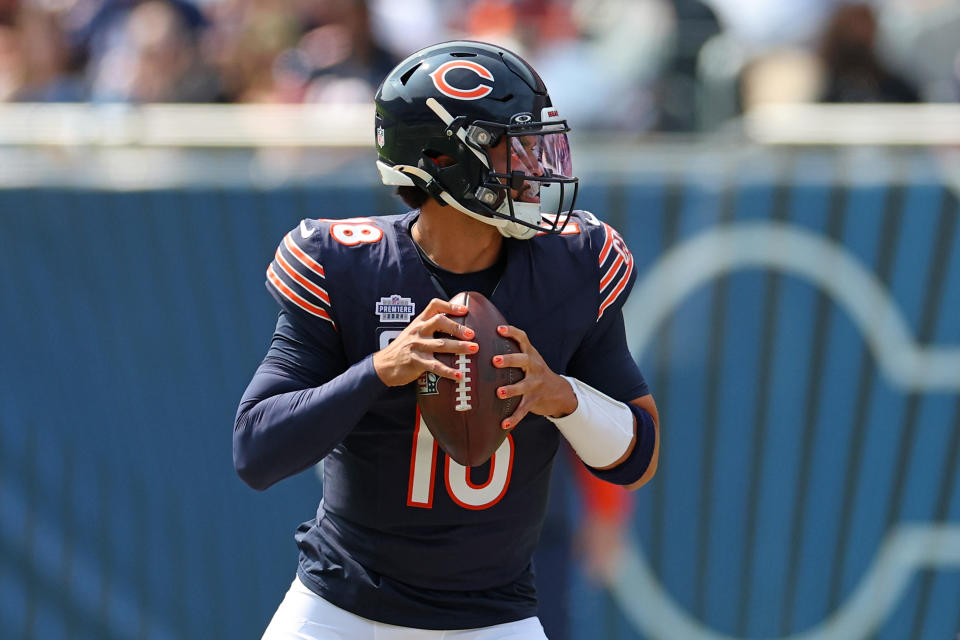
(809,477)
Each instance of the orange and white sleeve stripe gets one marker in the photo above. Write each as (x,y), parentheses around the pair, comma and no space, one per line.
(299,279)
(616,268)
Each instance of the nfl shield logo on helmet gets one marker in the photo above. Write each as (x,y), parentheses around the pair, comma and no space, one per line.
(380,139)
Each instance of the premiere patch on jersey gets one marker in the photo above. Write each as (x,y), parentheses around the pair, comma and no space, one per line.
(395,309)
(427,384)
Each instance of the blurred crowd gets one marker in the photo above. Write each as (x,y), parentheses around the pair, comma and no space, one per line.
(641,65)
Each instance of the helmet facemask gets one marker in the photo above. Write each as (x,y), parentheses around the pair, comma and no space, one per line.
(530,175)
(522,192)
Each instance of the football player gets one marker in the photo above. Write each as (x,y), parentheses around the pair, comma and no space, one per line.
(407,543)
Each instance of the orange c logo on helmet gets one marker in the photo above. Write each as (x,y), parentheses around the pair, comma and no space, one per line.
(439,78)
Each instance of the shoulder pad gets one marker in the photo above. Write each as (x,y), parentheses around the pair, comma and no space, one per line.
(296,277)
(614,261)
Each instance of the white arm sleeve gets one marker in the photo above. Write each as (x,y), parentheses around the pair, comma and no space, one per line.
(600,430)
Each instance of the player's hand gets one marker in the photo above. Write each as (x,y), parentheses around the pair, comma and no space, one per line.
(411,353)
(544,392)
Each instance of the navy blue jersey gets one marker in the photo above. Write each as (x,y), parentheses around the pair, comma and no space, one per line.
(404,535)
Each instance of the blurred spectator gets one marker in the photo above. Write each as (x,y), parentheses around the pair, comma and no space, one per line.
(244,44)
(720,63)
(272,51)
(404,27)
(955,79)
(49,68)
(780,77)
(853,70)
(498,21)
(345,64)
(611,65)
(678,94)
(150,54)
(12,68)
(601,59)
(8,11)
(924,38)
(35,63)
(759,25)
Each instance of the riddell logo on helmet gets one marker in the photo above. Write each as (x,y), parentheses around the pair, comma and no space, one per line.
(439,78)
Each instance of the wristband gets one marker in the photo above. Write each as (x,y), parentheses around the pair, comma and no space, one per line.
(600,430)
(637,463)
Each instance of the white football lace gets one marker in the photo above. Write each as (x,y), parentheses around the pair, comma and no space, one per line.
(463,389)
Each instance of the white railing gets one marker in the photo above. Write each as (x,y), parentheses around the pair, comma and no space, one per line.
(847,124)
(116,146)
(338,126)
(186,125)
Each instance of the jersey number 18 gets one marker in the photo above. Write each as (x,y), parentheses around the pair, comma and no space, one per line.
(423,465)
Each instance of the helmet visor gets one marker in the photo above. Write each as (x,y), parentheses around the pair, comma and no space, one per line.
(541,155)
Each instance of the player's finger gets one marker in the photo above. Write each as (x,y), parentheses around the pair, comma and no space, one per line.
(509,331)
(445,345)
(437,306)
(511,390)
(435,366)
(518,360)
(518,415)
(443,324)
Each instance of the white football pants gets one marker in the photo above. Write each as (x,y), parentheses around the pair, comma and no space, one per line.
(303,615)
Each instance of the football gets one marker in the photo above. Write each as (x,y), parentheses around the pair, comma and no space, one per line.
(464,416)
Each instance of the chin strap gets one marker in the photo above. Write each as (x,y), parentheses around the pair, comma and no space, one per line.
(399,175)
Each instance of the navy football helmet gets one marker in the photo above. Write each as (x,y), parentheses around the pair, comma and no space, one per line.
(488,110)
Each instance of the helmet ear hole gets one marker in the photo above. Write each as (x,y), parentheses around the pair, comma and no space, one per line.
(440,159)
